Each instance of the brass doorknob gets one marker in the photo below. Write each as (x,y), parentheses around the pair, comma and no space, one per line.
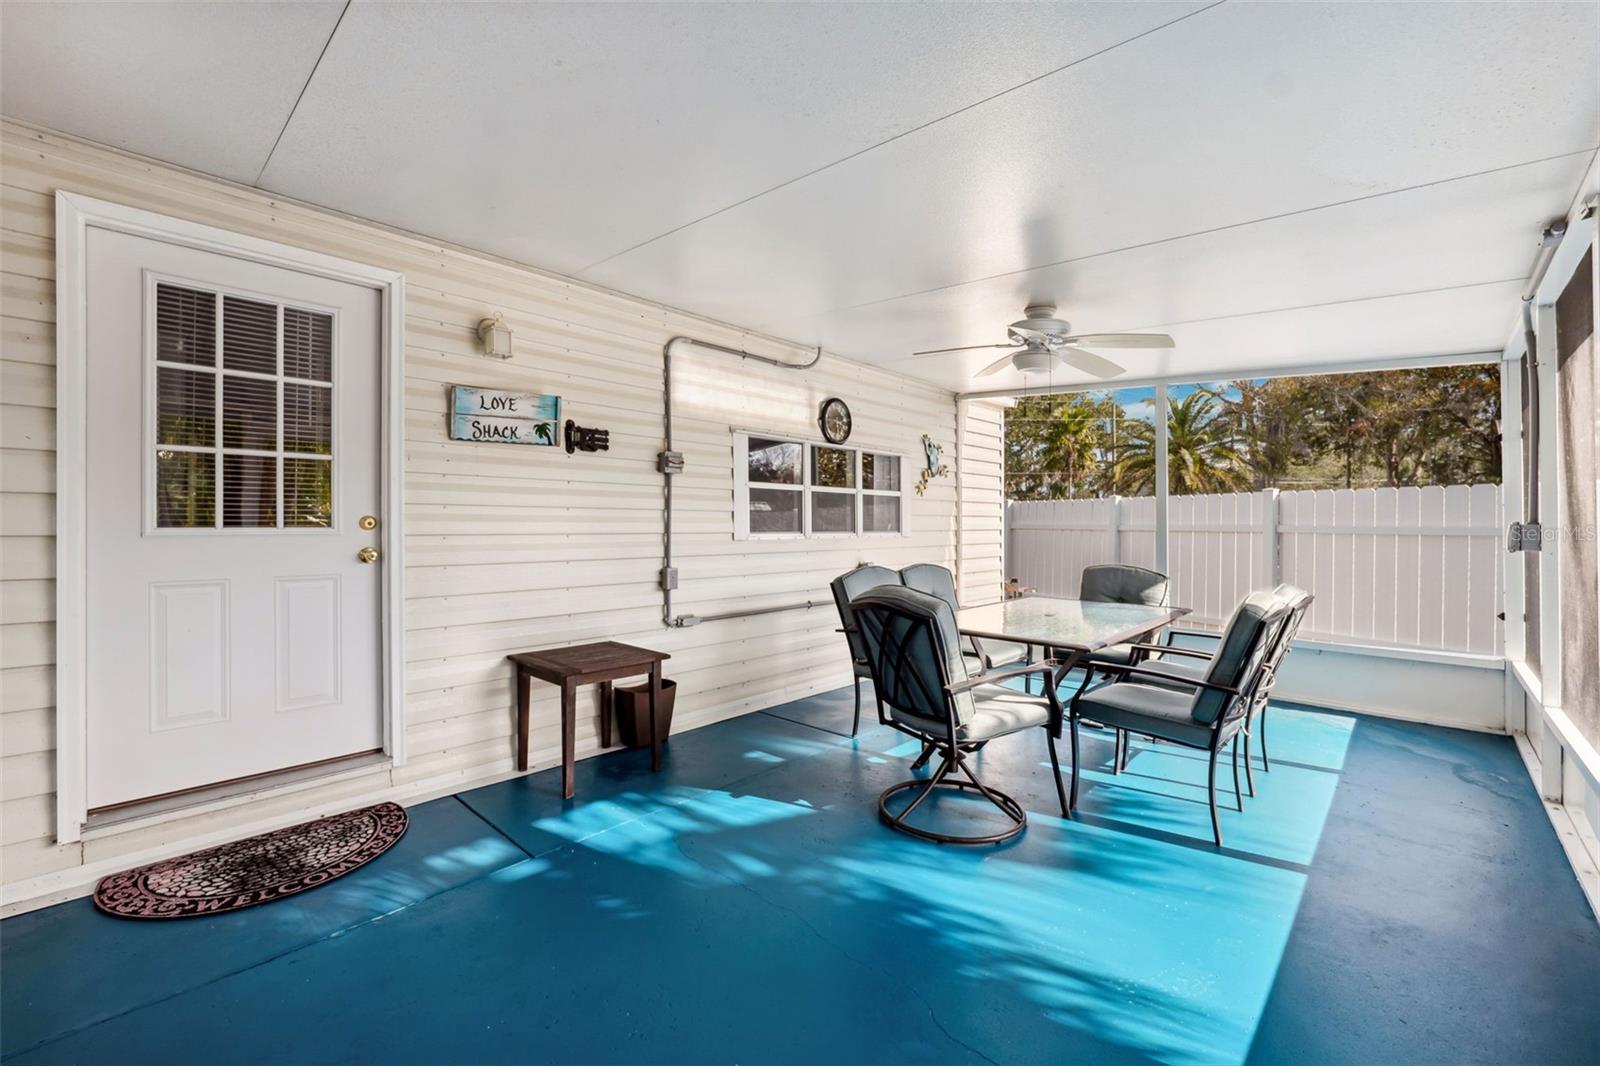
(368,555)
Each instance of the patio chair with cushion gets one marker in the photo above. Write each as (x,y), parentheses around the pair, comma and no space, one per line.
(1206,714)
(914,653)
(1186,665)
(981,655)
(845,588)
(1121,583)
(925,577)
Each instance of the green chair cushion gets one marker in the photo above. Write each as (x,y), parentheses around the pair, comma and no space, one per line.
(912,640)
(1185,673)
(1116,655)
(847,587)
(1244,643)
(1121,583)
(933,579)
(1003,652)
(998,712)
(1149,709)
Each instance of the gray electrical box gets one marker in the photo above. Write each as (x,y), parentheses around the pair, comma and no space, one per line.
(1524,537)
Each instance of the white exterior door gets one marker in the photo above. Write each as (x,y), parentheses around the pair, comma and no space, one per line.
(233,459)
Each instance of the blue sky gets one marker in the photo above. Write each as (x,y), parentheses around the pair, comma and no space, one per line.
(1140,403)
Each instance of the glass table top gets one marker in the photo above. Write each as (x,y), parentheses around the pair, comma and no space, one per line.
(1062,623)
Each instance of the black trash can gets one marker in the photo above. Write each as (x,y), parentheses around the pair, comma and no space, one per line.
(633,712)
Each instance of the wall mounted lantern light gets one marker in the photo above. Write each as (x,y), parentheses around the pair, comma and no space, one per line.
(495,336)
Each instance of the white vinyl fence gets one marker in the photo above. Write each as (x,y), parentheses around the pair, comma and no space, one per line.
(1410,568)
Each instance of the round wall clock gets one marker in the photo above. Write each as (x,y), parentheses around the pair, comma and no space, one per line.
(834,418)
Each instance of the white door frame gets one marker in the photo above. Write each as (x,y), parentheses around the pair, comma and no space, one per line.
(75,214)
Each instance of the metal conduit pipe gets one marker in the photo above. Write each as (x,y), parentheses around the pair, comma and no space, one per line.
(670,463)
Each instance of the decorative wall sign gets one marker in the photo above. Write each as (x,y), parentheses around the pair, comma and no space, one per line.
(933,467)
(587,440)
(498,416)
(834,418)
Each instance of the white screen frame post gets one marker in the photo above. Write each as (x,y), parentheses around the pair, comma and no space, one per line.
(1163,489)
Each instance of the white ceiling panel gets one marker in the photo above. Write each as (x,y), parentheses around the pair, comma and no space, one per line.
(208,86)
(1243,112)
(1270,183)
(561,134)
(1393,327)
(1446,236)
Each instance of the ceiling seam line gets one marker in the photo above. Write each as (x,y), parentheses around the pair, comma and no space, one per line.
(302,94)
(904,133)
(1213,230)
(1295,307)
(1576,199)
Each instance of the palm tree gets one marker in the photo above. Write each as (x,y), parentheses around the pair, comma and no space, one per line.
(1072,441)
(1203,454)
(1053,447)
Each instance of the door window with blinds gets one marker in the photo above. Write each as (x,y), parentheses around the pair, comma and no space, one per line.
(242,391)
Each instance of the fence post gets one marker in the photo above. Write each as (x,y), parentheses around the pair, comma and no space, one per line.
(1269,535)
(1114,528)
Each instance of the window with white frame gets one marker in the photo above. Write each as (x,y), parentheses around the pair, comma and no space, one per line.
(790,487)
(243,406)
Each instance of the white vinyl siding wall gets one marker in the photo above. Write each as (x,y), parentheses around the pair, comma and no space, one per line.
(977,465)
(507,548)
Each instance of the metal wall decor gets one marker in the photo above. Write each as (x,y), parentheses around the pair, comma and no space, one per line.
(834,418)
(498,416)
(587,440)
(933,467)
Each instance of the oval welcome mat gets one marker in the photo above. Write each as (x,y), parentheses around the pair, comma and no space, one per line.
(259,869)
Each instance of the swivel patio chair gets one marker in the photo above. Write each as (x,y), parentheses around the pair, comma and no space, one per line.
(925,577)
(845,588)
(1208,714)
(1191,665)
(913,650)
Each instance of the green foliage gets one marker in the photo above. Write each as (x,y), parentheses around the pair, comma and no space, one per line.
(1429,426)
(1203,452)
(1056,446)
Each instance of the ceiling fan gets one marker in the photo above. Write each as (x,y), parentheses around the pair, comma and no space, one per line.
(1040,341)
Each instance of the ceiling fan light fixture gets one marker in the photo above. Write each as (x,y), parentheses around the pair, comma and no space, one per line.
(1033,361)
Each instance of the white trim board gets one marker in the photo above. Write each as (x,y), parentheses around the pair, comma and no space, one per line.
(1577,837)
(75,215)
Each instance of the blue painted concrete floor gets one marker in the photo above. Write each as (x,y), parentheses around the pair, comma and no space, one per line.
(1394,894)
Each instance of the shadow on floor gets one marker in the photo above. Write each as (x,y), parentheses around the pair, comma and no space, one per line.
(746,905)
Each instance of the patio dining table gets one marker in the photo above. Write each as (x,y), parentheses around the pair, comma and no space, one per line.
(1068,630)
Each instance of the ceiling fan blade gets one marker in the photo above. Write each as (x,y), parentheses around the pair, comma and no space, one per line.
(1121,340)
(967,348)
(998,364)
(1089,363)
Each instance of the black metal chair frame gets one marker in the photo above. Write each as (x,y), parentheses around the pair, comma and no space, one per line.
(1230,722)
(953,751)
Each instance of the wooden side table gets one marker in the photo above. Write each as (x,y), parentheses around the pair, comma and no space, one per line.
(584,664)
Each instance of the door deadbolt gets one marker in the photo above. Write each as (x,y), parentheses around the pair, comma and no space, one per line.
(368,522)
(367,555)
